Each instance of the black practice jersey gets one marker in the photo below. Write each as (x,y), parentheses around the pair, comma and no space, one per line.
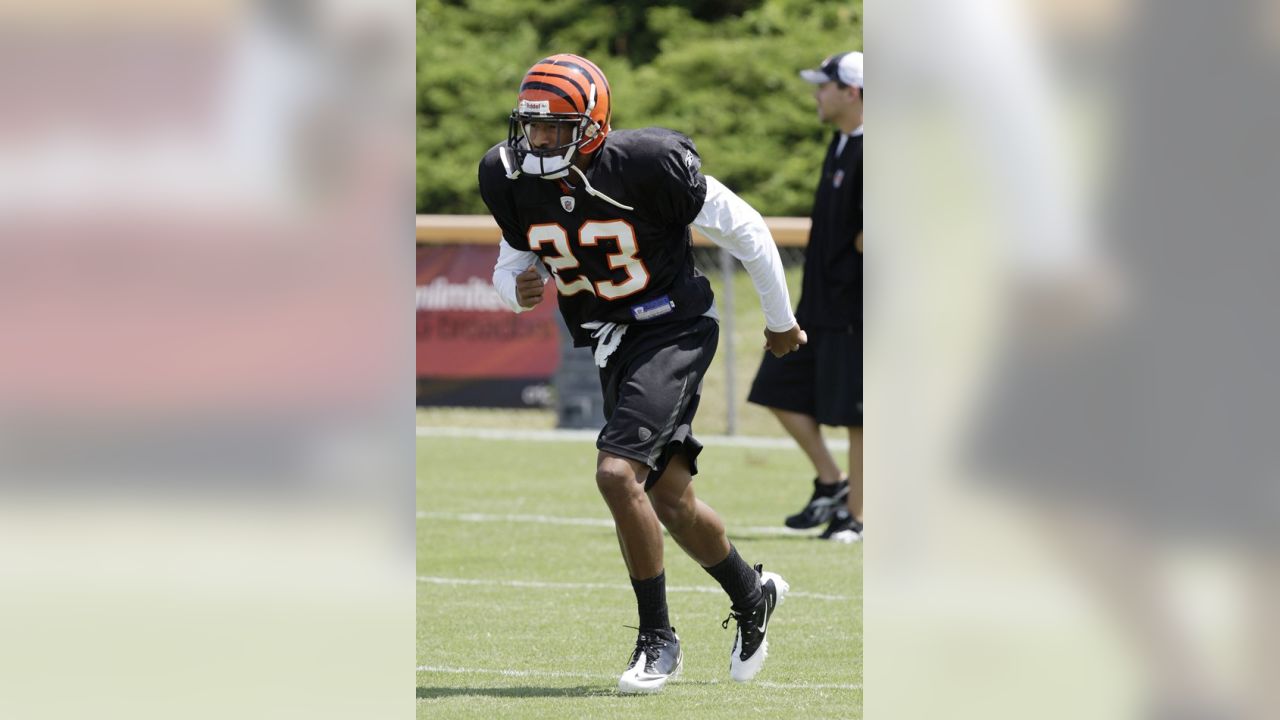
(611,264)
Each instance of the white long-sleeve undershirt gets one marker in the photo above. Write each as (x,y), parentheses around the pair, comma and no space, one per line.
(512,262)
(728,221)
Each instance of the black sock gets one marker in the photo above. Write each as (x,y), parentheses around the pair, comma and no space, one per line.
(651,598)
(738,579)
(822,489)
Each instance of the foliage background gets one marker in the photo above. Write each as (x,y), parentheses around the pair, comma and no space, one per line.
(721,71)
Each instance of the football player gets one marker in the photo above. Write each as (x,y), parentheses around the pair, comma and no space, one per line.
(605,214)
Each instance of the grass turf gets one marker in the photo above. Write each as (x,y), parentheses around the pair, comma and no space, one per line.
(490,650)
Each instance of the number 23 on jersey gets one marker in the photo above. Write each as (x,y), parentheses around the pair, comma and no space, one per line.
(592,232)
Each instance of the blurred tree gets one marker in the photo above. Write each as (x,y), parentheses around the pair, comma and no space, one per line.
(721,71)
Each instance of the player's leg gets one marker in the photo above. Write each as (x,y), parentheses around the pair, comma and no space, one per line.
(621,483)
(651,386)
(787,387)
(846,523)
(657,657)
(838,375)
(692,523)
(651,403)
(697,528)
(830,489)
(804,429)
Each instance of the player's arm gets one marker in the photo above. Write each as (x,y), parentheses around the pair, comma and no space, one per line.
(518,276)
(735,226)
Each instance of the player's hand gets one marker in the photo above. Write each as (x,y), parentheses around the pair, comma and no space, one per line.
(529,287)
(781,343)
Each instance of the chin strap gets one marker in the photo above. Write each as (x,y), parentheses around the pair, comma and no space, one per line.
(596,193)
(508,163)
(513,172)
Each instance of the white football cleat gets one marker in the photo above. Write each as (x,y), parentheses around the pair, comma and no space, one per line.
(750,642)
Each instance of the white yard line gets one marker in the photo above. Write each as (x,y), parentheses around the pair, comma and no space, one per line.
(538,519)
(590,522)
(805,686)
(541,584)
(507,673)
(597,676)
(770,443)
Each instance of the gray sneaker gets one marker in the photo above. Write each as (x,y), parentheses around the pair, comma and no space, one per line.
(656,659)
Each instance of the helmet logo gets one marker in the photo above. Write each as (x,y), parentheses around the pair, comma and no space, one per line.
(566,202)
(535,106)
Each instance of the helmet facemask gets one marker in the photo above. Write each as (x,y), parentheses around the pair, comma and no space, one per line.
(567,134)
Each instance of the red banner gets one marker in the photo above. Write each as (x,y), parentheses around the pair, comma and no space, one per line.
(465,331)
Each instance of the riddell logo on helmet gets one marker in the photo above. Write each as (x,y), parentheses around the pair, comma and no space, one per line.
(535,106)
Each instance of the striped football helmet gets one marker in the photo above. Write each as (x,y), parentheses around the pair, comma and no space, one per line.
(568,97)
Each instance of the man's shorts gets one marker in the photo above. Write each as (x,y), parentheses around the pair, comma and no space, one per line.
(651,385)
(823,379)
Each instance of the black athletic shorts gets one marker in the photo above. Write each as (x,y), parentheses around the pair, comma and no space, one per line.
(823,379)
(651,388)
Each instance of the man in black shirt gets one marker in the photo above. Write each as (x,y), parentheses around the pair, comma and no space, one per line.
(822,383)
(607,214)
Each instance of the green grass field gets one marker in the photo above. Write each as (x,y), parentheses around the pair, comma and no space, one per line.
(523,598)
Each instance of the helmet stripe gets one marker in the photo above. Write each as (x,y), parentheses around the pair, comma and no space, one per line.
(585,72)
(566,78)
(586,67)
(589,69)
(552,89)
(569,73)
